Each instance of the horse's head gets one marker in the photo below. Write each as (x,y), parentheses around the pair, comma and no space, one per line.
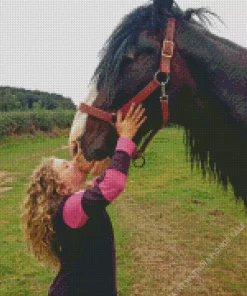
(129,62)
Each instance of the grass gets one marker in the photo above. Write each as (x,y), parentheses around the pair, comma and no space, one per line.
(200,216)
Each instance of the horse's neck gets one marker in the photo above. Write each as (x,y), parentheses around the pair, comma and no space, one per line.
(209,49)
(219,68)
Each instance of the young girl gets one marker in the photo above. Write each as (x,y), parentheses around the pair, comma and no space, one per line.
(68,226)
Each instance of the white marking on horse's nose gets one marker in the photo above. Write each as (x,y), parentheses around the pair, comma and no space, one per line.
(79,123)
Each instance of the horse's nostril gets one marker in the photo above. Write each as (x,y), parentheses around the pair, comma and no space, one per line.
(75,148)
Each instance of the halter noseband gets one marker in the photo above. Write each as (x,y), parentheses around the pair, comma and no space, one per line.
(164,68)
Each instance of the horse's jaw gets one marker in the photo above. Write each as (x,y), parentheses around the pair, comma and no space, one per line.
(95,168)
(99,167)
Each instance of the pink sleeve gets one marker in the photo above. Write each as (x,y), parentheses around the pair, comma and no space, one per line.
(126,144)
(73,214)
(116,175)
(113,184)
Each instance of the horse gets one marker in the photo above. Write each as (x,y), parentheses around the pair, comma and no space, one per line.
(206,87)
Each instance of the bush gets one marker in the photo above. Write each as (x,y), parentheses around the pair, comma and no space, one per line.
(30,121)
(63,118)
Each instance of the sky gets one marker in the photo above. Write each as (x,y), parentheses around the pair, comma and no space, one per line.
(53,45)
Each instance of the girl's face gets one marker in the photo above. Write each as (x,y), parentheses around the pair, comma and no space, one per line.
(72,178)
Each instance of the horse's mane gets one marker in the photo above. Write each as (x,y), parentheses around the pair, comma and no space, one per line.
(216,135)
(125,35)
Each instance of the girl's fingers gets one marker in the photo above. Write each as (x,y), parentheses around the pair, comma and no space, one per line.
(135,114)
(137,110)
(130,112)
(138,117)
(119,116)
(140,114)
(141,121)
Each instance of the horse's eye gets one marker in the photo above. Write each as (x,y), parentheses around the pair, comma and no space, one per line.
(127,61)
(149,50)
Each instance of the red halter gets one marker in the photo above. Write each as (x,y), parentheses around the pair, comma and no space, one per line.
(165,68)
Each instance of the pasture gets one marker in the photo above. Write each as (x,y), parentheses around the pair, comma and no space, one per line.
(176,233)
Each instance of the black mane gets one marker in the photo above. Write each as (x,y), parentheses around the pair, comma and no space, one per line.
(216,135)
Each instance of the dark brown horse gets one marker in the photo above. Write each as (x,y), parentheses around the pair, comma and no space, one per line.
(207,90)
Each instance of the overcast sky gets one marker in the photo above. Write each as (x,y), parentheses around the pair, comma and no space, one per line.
(53,45)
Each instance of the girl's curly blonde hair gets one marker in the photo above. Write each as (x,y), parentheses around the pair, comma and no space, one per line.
(38,209)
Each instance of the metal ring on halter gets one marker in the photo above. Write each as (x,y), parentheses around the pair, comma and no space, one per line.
(140,165)
(162,82)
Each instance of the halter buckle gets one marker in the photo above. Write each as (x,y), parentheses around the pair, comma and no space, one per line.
(167,53)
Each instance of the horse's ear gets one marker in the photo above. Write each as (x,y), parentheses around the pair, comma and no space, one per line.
(163,5)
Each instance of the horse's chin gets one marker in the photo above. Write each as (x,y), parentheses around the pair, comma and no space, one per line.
(95,168)
(99,167)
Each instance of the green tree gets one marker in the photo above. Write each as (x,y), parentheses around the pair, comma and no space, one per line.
(21,99)
(8,102)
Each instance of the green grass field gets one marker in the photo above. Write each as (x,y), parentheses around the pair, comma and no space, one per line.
(199,214)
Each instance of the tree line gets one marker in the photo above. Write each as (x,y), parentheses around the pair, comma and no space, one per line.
(19,99)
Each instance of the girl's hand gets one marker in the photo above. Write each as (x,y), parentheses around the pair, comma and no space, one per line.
(129,126)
